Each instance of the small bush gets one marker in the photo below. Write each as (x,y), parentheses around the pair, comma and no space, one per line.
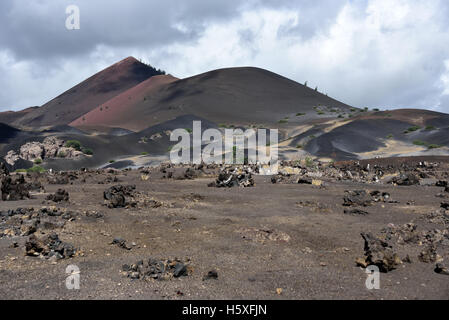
(87,151)
(434,146)
(62,154)
(111,161)
(419,143)
(144,153)
(75,144)
(189,130)
(300,114)
(283,121)
(390,136)
(413,129)
(38,161)
(430,128)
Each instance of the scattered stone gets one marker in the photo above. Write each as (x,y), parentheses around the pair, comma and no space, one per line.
(117,195)
(357,198)
(356,212)
(234,178)
(445,205)
(406,179)
(213,274)
(429,255)
(49,246)
(263,235)
(441,269)
(157,270)
(379,253)
(121,243)
(14,188)
(59,196)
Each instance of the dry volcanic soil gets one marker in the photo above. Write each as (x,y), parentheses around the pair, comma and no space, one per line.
(209,232)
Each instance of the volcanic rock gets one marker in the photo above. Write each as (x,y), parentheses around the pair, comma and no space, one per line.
(58,196)
(357,198)
(13,189)
(379,253)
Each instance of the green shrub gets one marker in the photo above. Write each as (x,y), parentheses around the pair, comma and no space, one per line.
(144,153)
(390,136)
(75,144)
(419,143)
(189,130)
(38,161)
(434,146)
(62,154)
(37,169)
(300,114)
(87,151)
(430,128)
(413,129)
(111,161)
(283,121)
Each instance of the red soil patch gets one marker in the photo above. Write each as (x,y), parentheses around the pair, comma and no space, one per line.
(118,110)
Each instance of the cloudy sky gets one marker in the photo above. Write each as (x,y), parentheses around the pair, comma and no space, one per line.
(375,53)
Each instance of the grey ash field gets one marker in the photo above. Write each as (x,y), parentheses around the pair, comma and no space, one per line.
(296,235)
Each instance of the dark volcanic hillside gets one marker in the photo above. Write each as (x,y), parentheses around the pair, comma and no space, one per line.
(88,94)
(228,96)
(13,116)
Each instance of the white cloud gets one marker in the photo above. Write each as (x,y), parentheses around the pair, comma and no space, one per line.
(377,53)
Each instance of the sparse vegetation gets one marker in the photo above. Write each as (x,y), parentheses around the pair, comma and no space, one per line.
(38,161)
(390,136)
(430,128)
(87,151)
(144,153)
(412,129)
(111,161)
(300,114)
(36,169)
(426,144)
(62,154)
(419,143)
(75,144)
(309,162)
(283,121)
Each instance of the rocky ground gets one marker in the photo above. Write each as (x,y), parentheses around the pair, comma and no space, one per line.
(205,232)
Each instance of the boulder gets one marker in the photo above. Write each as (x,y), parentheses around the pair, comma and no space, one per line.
(378,253)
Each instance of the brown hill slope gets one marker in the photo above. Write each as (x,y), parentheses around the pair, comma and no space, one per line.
(226,96)
(116,111)
(88,94)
